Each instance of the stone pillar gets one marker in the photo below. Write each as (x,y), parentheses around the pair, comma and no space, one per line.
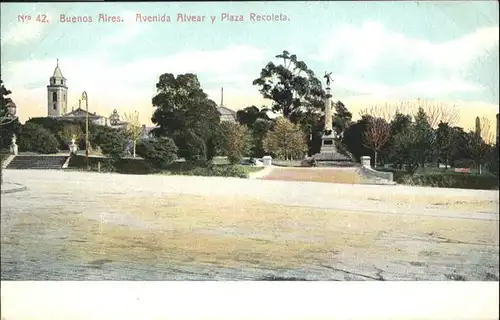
(365,161)
(267,161)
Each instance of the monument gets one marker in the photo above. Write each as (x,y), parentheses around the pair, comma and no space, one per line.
(14,147)
(329,155)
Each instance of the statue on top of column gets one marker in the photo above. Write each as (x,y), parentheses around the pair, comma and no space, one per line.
(328,78)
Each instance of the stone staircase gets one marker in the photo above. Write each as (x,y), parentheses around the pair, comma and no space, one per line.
(41,162)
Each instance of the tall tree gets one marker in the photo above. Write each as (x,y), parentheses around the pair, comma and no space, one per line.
(291,85)
(445,142)
(342,118)
(134,128)
(425,138)
(376,136)
(353,138)
(406,150)
(249,115)
(236,141)
(185,113)
(478,149)
(286,140)
(259,131)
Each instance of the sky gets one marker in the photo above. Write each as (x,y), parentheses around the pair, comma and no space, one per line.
(378,52)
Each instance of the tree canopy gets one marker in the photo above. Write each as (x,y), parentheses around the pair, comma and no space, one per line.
(292,87)
(186,114)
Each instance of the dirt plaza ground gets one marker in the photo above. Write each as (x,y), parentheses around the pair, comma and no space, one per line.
(91,226)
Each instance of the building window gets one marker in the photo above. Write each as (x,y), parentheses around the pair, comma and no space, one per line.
(54,107)
(61,82)
(54,96)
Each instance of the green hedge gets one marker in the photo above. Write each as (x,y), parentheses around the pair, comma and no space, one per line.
(445,179)
(191,169)
(454,180)
(125,165)
(141,166)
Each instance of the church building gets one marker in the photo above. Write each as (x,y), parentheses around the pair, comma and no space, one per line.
(226,114)
(57,101)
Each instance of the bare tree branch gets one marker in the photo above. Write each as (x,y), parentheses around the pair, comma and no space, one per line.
(436,111)
(134,127)
(376,135)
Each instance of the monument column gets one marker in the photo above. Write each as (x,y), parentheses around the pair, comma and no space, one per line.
(328,155)
(328,113)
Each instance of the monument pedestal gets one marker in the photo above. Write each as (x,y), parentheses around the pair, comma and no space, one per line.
(328,155)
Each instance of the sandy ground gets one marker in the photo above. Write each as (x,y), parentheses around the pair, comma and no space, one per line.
(90,226)
(347,176)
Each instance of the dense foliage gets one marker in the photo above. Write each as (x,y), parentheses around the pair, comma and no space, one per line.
(160,152)
(35,138)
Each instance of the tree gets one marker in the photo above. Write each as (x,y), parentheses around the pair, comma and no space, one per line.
(405,147)
(36,138)
(292,86)
(71,131)
(376,135)
(385,111)
(249,115)
(425,138)
(438,112)
(354,136)
(134,128)
(8,125)
(445,142)
(160,152)
(258,131)
(342,118)
(236,141)
(185,114)
(477,149)
(286,140)
(111,141)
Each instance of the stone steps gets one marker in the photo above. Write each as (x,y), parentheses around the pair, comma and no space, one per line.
(41,162)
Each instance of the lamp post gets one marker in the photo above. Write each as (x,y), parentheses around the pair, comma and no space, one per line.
(85,97)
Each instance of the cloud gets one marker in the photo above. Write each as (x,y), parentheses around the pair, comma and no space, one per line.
(366,45)
(129,30)
(389,62)
(131,85)
(18,33)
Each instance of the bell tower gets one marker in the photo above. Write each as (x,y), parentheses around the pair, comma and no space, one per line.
(57,98)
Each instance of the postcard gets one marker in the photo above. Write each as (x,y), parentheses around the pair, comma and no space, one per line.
(249,141)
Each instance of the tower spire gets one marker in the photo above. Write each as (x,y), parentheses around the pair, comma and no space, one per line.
(222,96)
(57,62)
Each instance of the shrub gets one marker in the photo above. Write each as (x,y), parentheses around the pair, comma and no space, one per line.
(35,138)
(453,180)
(191,146)
(159,152)
(111,141)
(126,165)
(191,169)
